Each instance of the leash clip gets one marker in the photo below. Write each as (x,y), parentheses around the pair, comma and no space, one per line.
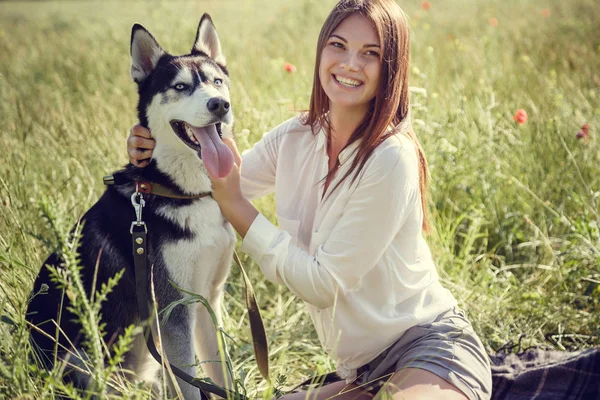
(138,206)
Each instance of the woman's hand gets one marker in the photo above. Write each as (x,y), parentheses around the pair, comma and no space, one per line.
(228,193)
(140,145)
(227,189)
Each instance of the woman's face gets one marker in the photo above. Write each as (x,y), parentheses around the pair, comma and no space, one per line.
(350,64)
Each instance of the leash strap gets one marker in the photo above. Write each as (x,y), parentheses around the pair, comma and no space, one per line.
(259,337)
(139,234)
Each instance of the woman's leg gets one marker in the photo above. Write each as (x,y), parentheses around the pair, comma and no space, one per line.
(336,390)
(417,384)
(409,383)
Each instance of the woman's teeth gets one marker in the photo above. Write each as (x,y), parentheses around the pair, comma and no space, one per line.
(347,81)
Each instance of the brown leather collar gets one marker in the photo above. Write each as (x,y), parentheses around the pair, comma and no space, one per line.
(156,189)
(160,190)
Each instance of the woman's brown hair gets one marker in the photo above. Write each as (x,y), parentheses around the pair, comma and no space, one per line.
(390,107)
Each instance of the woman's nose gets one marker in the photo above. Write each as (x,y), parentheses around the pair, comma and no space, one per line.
(350,62)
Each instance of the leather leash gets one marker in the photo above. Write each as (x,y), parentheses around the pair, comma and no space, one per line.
(259,337)
(139,232)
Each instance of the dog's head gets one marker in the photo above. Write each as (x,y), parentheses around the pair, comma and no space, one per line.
(184,100)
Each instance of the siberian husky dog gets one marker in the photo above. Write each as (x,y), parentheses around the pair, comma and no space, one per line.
(184,101)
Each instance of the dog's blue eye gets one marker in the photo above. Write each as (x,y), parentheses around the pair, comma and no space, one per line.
(218,82)
(180,86)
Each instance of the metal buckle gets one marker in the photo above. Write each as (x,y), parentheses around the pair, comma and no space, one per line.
(138,203)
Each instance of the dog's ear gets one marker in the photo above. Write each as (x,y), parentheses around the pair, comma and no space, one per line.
(145,53)
(207,40)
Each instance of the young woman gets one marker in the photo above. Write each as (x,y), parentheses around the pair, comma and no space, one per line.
(350,181)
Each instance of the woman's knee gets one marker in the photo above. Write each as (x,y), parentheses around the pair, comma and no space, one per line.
(415,383)
(336,390)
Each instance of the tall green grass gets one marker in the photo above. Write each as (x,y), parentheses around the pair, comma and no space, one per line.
(515,207)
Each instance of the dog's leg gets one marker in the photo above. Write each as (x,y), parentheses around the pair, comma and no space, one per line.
(143,365)
(205,331)
(206,345)
(179,349)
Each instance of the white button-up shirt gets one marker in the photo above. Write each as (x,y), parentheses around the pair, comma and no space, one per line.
(357,257)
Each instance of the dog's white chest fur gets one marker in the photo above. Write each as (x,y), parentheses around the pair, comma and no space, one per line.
(200,264)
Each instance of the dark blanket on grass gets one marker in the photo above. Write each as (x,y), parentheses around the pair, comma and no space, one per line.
(546,375)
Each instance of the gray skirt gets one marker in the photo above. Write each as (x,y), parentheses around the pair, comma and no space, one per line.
(447,347)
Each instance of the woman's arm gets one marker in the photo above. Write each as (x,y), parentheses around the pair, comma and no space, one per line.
(235,207)
(377,208)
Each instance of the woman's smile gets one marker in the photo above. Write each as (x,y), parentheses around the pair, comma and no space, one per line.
(347,82)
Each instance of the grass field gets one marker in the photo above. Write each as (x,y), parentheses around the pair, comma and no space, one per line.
(515,207)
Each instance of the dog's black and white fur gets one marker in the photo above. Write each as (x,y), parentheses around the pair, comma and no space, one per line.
(190,242)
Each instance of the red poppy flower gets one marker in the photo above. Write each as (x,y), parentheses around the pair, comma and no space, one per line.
(426,5)
(289,67)
(545,12)
(584,133)
(493,22)
(520,116)
(585,128)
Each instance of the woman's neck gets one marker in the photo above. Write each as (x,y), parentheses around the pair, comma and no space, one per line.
(342,124)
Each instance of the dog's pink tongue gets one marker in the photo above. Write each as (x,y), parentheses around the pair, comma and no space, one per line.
(217,157)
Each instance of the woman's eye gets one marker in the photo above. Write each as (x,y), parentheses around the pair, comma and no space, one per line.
(337,44)
(218,82)
(372,53)
(180,86)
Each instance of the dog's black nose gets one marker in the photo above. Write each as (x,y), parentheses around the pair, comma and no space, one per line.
(218,106)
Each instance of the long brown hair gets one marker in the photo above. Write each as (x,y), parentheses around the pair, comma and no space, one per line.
(390,107)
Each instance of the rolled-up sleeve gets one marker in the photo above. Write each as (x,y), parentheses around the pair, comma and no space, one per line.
(258,168)
(386,191)
(259,164)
